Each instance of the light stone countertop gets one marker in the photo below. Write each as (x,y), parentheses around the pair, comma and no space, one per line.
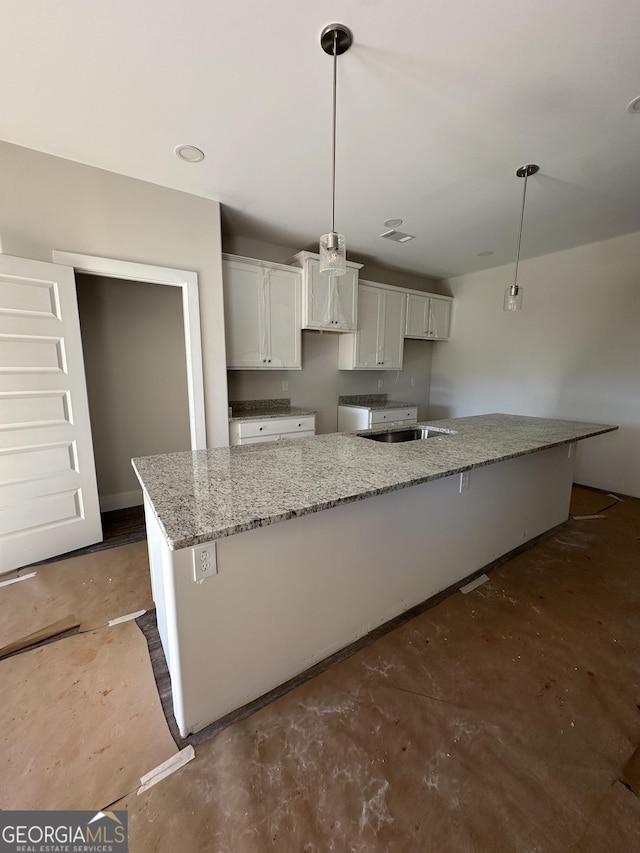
(379,407)
(263,414)
(199,496)
(259,410)
(373,402)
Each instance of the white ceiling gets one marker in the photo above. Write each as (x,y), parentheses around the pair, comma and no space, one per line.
(438,103)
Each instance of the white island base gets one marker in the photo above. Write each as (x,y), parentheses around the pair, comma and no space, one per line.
(290,594)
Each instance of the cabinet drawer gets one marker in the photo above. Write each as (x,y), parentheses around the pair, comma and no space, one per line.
(276,426)
(261,439)
(388,415)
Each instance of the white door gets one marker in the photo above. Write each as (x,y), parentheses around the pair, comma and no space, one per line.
(244,312)
(394,326)
(48,491)
(284,319)
(417,316)
(439,310)
(345,309)
(318,296)
(368,342)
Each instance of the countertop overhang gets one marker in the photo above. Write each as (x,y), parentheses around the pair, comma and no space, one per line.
(258,414)
(204,495)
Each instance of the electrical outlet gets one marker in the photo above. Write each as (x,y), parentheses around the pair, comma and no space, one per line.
(380,383)
(285,385)
(464,481)
(205,563)
(413,382)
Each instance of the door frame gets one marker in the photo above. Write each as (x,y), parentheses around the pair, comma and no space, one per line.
(188,282)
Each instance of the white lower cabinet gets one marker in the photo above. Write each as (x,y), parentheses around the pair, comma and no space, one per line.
(262,314)
(351,418)
(271,429)
(378,343)
(428,317)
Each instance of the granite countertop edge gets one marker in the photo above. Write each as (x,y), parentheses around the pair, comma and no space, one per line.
(267,414)
(169,504)
(381,406)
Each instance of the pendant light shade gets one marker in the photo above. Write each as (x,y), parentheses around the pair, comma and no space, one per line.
(334,40)
(513,298)
(333,254)
(513,294)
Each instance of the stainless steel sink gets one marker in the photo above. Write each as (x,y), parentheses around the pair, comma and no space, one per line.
(394,435)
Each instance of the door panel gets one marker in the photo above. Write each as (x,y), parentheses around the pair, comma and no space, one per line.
(394,326)
(244,310)
(284,319)
(48,491)
(346,300)
(318,292)
(439,310)
(368,338)
(417,316)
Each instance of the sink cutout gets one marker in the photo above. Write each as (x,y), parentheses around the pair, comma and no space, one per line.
(395,435)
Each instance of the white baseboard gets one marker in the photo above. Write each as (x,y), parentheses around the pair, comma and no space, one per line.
(121,500)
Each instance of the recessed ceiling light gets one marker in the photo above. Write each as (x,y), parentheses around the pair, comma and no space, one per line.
(189,153)
(392,223)
(484,254)
(634,106)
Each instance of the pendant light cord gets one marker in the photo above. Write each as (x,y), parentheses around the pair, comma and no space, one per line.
(524,195)
(333,146)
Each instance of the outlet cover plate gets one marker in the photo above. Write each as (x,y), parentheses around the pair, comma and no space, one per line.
(205,562)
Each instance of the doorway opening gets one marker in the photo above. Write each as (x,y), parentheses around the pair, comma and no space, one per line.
(143,366)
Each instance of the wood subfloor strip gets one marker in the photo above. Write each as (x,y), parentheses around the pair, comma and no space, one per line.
(119,527)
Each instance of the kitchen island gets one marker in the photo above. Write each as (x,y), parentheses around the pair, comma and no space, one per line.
(268,558)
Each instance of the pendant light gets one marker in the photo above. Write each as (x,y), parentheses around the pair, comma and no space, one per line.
(335,39)
(513,294)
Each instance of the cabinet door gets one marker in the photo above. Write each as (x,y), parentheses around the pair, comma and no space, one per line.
(283,306)
(317,297)
(344,308)
(330,302)
(417,316)
(439,318)
(244,314)
(370,327)
(393,326)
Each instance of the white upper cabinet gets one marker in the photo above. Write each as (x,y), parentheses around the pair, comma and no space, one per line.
(428,317)
(262,314)
(328,302)
(379,341)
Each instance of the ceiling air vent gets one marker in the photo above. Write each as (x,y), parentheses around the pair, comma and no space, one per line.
(397,236)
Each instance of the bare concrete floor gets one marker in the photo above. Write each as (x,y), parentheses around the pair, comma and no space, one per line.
(497,721)
(500,720)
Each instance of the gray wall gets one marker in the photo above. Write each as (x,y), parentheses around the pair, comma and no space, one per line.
(319,384)
(573,351)
(135,363)
(48,203)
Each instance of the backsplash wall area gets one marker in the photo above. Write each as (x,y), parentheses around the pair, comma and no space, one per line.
(319,384)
